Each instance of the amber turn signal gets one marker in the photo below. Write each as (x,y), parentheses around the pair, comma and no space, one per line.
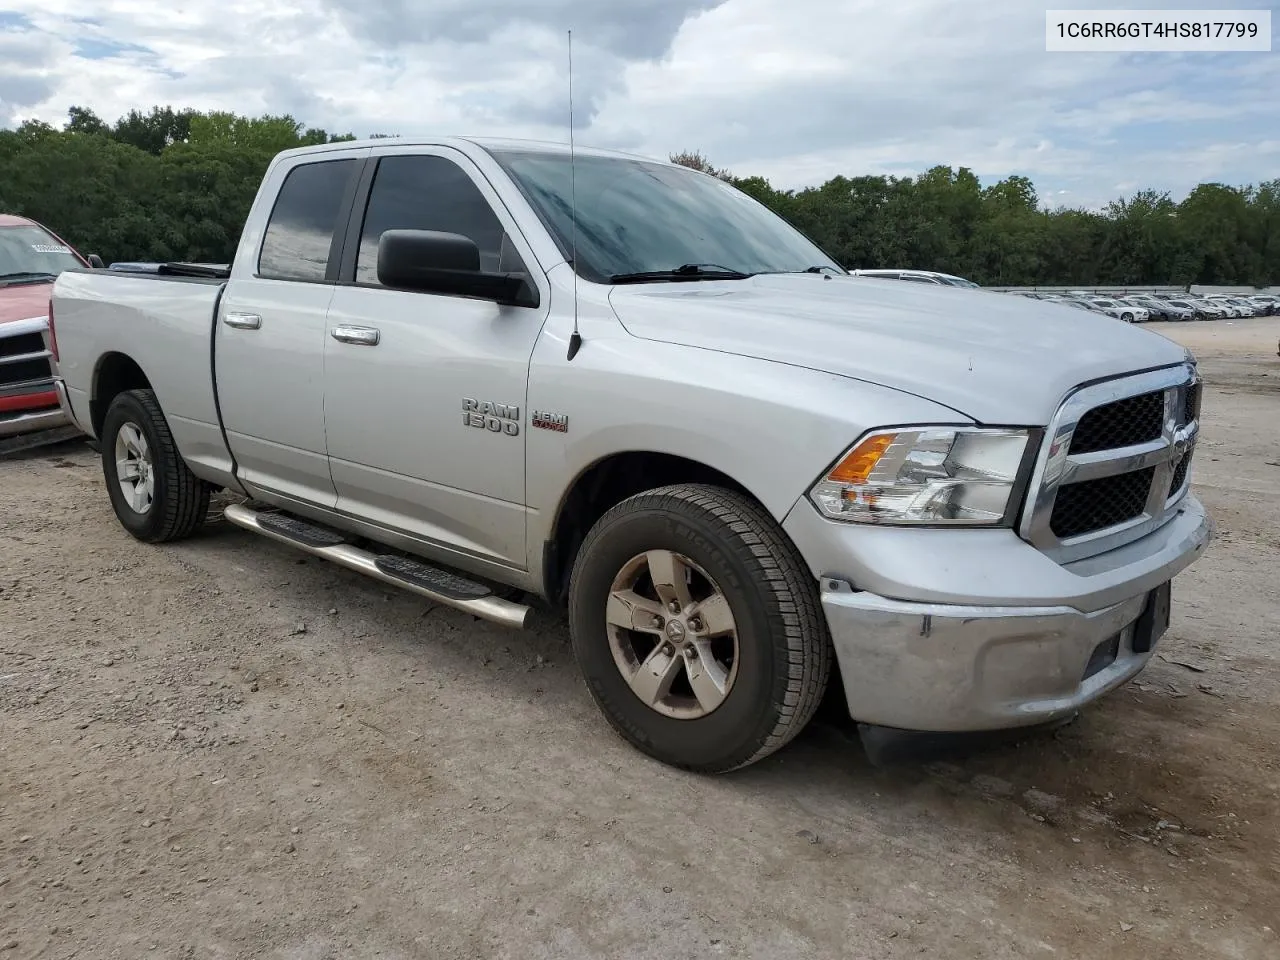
(858,463)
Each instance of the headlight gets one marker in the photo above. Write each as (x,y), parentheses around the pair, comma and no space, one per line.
(926,475)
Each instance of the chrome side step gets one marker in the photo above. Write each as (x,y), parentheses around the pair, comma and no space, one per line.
(415,576)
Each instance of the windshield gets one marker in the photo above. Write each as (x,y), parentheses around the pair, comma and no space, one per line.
(635,216)
(29,249)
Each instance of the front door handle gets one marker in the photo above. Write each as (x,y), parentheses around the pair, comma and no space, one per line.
(365,336)
(243,321)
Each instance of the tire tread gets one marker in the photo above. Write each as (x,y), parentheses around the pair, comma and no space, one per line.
(761,543)
(187,503)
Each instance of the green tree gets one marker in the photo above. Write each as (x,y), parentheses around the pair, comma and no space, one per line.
(170,184)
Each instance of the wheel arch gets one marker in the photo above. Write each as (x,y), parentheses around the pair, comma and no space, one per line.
(602,485)
(113,374)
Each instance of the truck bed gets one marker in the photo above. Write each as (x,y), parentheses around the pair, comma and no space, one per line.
(165,323)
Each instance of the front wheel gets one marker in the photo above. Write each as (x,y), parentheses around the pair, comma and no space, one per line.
(155,497)
(697,627)
(1127,317)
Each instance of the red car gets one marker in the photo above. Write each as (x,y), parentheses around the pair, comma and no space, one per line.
(31,257)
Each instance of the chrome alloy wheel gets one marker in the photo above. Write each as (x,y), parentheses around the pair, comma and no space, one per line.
(134,470)
(672,634)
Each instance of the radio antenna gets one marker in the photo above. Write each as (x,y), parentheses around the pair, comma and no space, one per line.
(575,341)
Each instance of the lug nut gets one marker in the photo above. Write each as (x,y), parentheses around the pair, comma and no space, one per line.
(695,623)
(674,606)
(657,622)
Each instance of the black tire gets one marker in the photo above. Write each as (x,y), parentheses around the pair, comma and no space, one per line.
(784,650)
(180,501)
(1126,317)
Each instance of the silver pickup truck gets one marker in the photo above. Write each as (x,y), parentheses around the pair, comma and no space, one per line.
(496,373)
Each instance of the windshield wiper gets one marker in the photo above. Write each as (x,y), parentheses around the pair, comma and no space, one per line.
(688,271)
(823,269)
(24,276)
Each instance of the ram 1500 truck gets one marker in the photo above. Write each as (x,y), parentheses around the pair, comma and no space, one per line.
(498,373)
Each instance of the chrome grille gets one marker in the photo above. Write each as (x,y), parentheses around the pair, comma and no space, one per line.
(1097,504)
(1115,463)
(24,357)
(1120,424)
(1180,472)
(24,370)
(1191,406)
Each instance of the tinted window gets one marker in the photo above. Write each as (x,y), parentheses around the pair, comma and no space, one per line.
(431,193)
(300,231)
(30,250)
(635,216)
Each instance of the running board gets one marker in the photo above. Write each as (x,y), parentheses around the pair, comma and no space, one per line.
(415,576)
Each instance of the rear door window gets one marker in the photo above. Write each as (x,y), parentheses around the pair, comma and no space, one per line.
(307,212)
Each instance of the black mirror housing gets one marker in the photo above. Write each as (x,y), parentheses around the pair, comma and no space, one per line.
(95,261)
(429,261)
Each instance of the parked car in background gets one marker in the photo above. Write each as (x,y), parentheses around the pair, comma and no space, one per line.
(1121,311)
(1160,309)
(1213,309)
(1235,309)
(1197,311)
(1267,304)
(1246,304)
(919,276)
(31,257)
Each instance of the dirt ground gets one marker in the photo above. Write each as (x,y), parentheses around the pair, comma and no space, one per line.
(220,749)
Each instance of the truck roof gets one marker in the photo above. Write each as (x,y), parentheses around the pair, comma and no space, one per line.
(465,144)
(13,220)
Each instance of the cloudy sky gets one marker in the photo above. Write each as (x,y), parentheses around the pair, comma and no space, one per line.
(794,90)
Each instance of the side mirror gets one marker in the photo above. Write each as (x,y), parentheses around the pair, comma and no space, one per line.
(432,262)
(95,261)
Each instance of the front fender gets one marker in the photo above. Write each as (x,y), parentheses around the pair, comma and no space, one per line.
(770,426)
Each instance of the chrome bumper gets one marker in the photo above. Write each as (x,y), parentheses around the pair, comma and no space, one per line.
(918,666)
(992,664)
(29,421)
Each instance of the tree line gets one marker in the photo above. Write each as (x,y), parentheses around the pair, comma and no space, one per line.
(172,184)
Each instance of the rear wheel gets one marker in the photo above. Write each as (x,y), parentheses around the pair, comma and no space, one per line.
(697,628)
(155,497)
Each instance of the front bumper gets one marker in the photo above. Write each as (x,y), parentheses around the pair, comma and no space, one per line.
(13,423)
(1031,642)
(917,666)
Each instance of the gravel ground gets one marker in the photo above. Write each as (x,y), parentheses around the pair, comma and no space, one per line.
(221,749)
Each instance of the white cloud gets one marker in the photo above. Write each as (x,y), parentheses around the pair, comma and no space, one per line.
(795,90)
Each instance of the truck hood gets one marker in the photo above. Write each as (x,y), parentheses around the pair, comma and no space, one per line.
(993,357)
(23,301)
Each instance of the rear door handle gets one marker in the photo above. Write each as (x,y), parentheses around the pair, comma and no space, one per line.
(365,336)
(243,321)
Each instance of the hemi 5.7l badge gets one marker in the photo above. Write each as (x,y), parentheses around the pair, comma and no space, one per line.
(558,422)
(494,417)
